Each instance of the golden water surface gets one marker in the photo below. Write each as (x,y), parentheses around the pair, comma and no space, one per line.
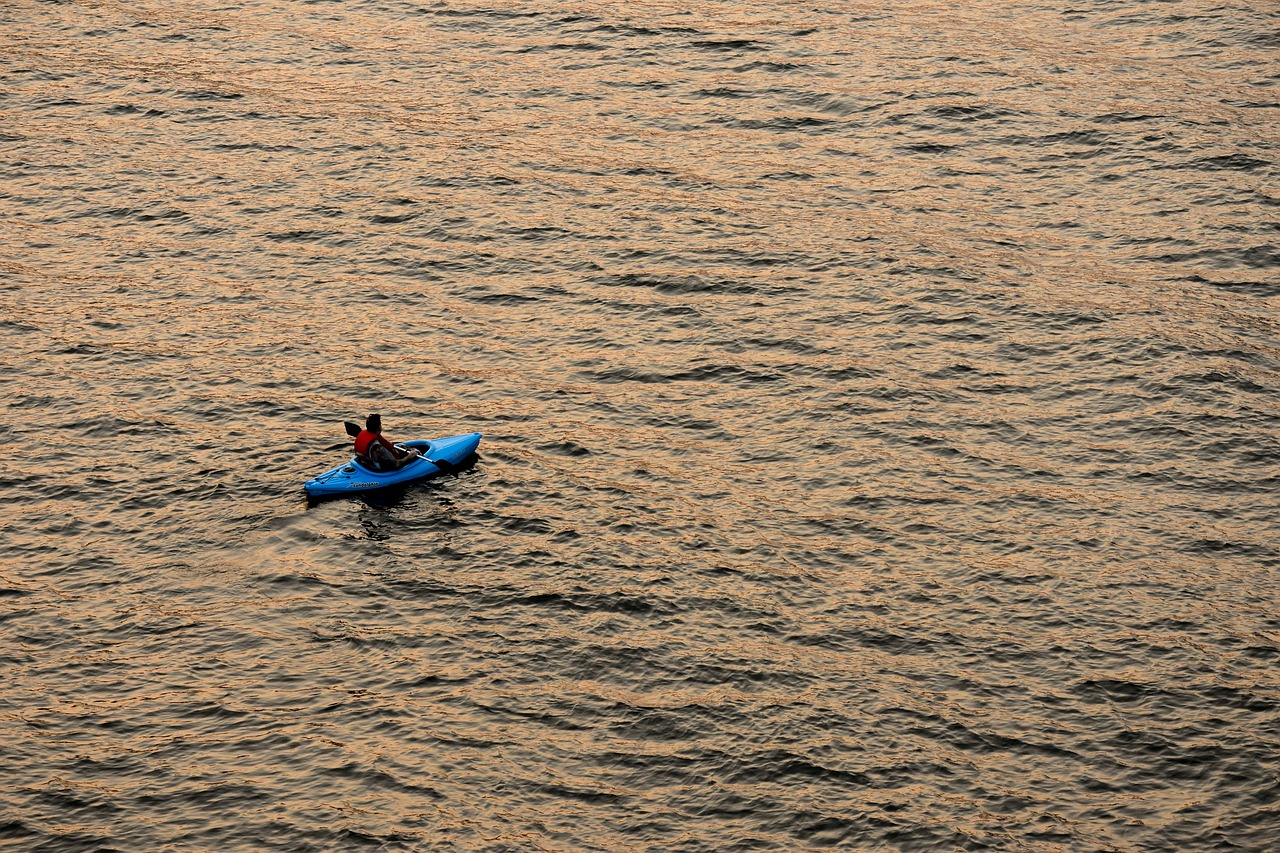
(881,444)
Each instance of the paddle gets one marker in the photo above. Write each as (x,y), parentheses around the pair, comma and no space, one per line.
(443,464)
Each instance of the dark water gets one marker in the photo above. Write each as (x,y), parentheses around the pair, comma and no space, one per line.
(882,441)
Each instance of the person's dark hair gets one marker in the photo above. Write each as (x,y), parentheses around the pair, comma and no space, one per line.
(373,423)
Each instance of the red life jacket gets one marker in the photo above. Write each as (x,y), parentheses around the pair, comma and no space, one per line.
(366,438)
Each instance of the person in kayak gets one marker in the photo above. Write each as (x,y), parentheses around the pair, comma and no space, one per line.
(376,452)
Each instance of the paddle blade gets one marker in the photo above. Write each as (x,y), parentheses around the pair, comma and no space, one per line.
(352,429)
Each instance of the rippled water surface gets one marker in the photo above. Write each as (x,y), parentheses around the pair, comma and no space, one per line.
(881,450)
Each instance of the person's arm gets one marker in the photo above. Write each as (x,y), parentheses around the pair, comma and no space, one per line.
(392,459)
(381,457)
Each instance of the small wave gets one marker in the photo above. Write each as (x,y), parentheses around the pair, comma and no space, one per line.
(730,45)
(1224,162)
(678,284)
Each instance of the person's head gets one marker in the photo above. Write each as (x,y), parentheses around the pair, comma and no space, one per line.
(373,423)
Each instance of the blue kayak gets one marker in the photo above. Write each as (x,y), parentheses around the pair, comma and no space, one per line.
(438,456)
